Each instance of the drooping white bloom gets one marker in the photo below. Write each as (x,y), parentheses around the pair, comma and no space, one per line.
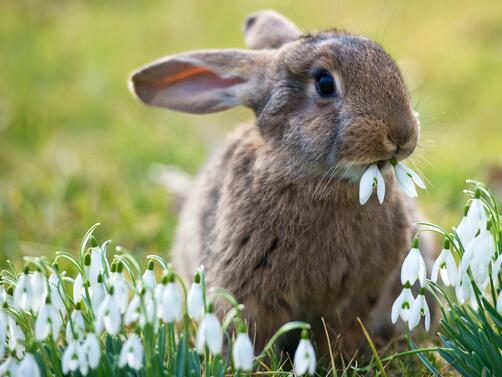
(242,352)
(121,291)
(419,309)
(48,321)
(407,179)
(15,337)
(496,270)
(401,307)
(28,367)
(23,293)
(91,351)
(9,367)
(413,267)
(98,294)
(172,304)
(75,328)
(56,293)
(195,302)
(132,353)
(108,316)
(139,312)
(148,278)
(446,266)
(78,288)
(210,334)
(39,289)
(478,256)
(370,179)
(464,290)
(499,303)
(97,266)
(71,357)
(305,359)
(3,332)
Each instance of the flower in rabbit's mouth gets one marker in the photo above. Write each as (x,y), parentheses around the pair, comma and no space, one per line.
(373,179)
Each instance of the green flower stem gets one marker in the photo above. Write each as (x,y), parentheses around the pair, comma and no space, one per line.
(290,326)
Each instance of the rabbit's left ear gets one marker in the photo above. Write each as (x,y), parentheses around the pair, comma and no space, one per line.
(203,82)
(268,29)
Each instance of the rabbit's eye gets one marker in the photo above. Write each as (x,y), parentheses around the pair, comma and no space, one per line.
(325,84)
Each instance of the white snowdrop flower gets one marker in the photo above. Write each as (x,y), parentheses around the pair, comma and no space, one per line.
(91,351)
(28,367)
(242,351)
(172,304)
(98,294)
(401,307)
(464,290)
(141,311)
(148,278)
(133,311)
(413,267)
(71,357)
(407,178)
(23,292)
(478,256)
(39,289)
(132,353)
(209,333)
(370,179)
(3,331)
(305,359)
(120,288)
(465,231)
(97,266)
(48,321)
(78,288)
(15,337)
(496,270)
(195,299)
(419,309)
(75,328)
(108,316)
(56,292)
(9,367)
(446,266)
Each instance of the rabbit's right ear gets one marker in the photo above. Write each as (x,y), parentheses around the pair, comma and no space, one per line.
(269,29)
(203,82)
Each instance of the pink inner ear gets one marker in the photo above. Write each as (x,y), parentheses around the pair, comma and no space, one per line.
(178,84)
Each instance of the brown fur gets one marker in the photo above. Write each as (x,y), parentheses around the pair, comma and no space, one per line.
(275,217)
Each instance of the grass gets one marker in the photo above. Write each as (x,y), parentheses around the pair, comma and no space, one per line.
(76,147)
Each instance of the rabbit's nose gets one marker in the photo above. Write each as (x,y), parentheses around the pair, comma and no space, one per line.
(402,140)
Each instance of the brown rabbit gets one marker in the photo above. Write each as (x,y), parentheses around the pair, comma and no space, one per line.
(275,217)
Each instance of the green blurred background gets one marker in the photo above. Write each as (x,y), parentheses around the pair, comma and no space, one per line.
(76,148)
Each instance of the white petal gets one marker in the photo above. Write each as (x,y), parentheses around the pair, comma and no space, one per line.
(304,359)
(366,184)
(451,267)
(28,367)
(496,269)
(214,335)
(42,326)
(405,181)
(93,350)
(499,303)
(411,267)
(415,313)
(172,303)
(242,353)
(396,307)
(415,177)
(380,187)
(195,302)
(436,267)
(78,288)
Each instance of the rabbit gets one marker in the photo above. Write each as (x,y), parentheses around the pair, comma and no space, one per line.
(274,216)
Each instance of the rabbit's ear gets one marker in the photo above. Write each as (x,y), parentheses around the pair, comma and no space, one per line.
(268,29)
(203,82)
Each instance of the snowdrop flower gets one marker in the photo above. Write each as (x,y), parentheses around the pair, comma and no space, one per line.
(209,333)
(171,300)
(90,351)
(446,266)
(418,309)
(78,288)
(16,337)
(305,359)
(407,178)
(96,267)
(132,353)
(195,299)
(120,288)
(75,328)
(48,321)
(370,179)
(98,294)
(108,316)
(478,255)
(148,279)
(401,307)
(39,289)
(499,303)
(3,332)
(496,270)
(9,367)
(465,231)
(56,291)
(464,290)
(413,266)
(139,311)
(242,352)
(28,367)
(71,358)
(23,293)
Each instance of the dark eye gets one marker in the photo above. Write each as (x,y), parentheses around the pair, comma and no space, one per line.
(325,84)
